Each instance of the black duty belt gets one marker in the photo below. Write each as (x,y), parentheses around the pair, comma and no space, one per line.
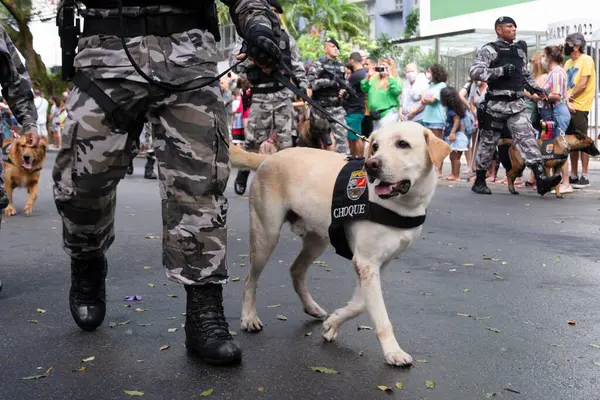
(266,90)
(492,97)
(146,25)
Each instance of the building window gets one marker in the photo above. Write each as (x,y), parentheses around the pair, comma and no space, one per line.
(399,4)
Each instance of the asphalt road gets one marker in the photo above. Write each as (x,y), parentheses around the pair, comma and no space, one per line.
(542,270)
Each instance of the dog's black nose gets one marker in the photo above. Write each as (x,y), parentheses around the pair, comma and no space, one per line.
(26,157)
(372,165)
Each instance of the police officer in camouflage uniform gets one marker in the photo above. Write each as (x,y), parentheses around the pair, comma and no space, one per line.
(16,89)
(272,111)
(325,75)
(174,44)
(503,65)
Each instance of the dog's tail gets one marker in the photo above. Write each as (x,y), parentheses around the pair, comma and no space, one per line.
(243,159)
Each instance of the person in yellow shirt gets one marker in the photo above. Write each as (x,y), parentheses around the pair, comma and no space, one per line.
(581,85)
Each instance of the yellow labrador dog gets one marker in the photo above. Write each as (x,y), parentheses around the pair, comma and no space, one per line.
(296,186)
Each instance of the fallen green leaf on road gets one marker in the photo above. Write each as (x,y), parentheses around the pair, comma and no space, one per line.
(92,358)
(141,309)
(171,330)
(172,295)
(261,389)
(384,388)
(596,346)
(324,370)
(81,369)
(44,375)
(282,317)
(151,285)
(559,345)
(127,305)
(490,395)
(171,318)
(207,392)
(233,333)
(242,265)
(133,393)
(235,279)
(164,347)
(146,268)
(429,384)
(466,290)
(503,263)
(463,315)
(152,237)
(492,329)
(364,327)
(320,263)
(597,363)
(33,321)
(399,385)
(308,334)
(41,311)
(487,258)
(274,306)
(467,265)
(422,361)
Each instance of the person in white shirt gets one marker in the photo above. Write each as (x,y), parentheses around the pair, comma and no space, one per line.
(41,105)
(415,85)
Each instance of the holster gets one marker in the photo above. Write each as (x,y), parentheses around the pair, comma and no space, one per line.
(69,31)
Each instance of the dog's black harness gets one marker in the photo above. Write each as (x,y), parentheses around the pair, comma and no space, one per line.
(6,151)
(350,202)
(547,150)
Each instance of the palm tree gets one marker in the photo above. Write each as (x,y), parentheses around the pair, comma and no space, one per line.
(223,13)
(330,16)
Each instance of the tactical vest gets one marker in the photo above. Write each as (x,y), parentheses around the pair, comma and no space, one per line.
(206,9)
(507,54)
(257,76)
(350,202)
(331,69)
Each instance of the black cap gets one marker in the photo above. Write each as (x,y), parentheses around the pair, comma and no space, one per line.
(276,5)
(332,40)
(505,20)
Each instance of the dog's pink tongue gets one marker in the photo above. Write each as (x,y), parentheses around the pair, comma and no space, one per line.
(27,165)
(383,188)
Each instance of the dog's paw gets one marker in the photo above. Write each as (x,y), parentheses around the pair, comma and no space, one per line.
(398,358)
(316,311)
(330,330)
(10,210)
(252,324)
(28,209)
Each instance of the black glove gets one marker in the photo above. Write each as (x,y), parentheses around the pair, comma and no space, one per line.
(541,92)
(262,46)
(508,70)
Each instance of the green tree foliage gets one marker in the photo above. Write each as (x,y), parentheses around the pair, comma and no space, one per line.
(412,24)
(384,48)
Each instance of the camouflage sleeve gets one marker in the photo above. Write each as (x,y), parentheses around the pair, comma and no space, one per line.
(313,72)
(297,65)
(243,12)
(240,69)
(16,84)
(480,70)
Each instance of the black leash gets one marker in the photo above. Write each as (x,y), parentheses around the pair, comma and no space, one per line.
(288,84)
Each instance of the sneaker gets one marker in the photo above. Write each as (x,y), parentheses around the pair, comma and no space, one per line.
(573,180)
(581,183)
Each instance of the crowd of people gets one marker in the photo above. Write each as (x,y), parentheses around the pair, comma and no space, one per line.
(374,94)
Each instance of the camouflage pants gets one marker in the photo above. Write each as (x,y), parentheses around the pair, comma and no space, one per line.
(270,113)
(339,132)
(193,161)
(522,133)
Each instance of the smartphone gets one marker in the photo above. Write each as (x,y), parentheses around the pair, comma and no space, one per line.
(379,69)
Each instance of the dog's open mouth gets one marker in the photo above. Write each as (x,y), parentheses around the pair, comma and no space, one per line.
(27,163)
(386,190)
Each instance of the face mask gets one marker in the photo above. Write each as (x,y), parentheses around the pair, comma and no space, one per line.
(411,76)
(544,63)
(568,49)
(428,76)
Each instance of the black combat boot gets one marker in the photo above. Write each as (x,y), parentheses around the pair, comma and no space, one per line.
(0,286)
(87,298)
(3,199)
(130,168)
(206,330)
(149,169)
(544,183)
(480,187)
(241,180)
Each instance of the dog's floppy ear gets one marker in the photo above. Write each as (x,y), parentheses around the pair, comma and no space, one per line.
(438,149)
(368,153)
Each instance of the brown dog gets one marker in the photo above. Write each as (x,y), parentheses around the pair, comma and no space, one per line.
(563,145)
(22,165)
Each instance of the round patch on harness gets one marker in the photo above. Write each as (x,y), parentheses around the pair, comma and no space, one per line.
(357,184)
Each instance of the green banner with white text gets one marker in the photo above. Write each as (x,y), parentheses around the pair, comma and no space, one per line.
(441,9)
